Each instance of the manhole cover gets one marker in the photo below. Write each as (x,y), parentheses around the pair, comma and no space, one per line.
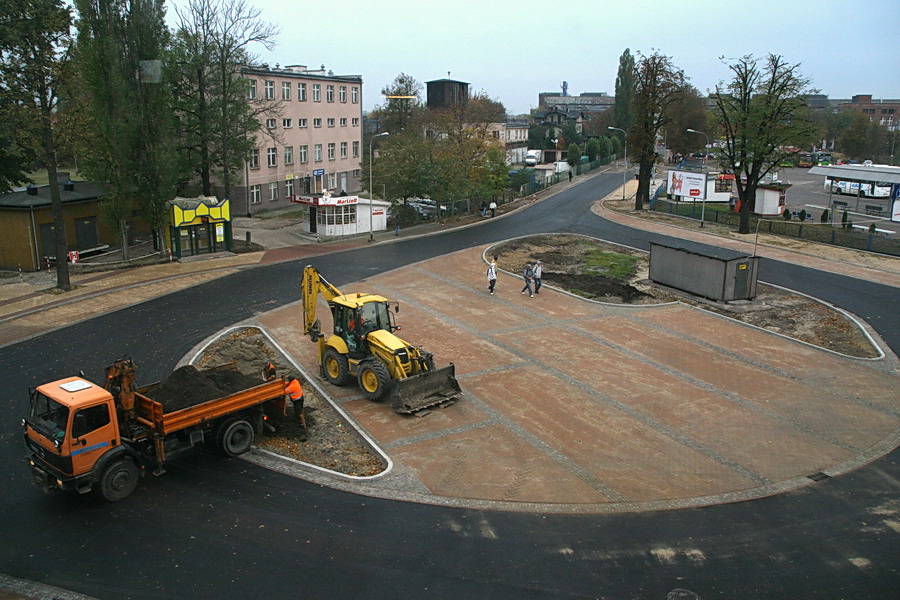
(679,594)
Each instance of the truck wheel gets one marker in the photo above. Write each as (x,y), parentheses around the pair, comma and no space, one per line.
(337,371)
(119,480)
(373,379)
(236,437)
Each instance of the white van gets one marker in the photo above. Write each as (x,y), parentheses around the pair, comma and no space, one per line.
(532,157)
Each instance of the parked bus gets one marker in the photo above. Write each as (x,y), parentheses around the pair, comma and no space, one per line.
(822,158)
(881,189)
(805,159)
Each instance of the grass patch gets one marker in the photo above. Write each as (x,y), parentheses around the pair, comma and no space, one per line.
(620,267)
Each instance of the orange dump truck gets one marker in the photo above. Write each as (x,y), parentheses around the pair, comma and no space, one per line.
(80,435)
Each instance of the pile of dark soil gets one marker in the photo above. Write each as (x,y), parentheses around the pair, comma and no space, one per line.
(187,386)
(327,440)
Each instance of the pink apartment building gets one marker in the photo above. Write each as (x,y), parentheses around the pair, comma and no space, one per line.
(314,142)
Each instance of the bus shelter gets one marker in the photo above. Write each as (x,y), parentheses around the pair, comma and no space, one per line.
(872,189)
(200,225)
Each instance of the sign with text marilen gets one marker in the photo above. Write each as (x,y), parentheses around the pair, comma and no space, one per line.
(325,200)
(687,183)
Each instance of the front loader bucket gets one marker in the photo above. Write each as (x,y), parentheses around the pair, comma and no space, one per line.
(421,391)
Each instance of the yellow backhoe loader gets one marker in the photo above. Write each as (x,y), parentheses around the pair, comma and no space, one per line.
(364,346)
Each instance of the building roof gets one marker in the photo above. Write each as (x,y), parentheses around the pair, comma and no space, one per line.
(447,81)
(81,191)
(875,173)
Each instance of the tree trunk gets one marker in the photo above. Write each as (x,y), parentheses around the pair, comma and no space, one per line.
(123,235)
(643,190)
(205,135)
(59,226)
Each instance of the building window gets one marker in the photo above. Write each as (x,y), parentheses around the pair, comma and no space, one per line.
(270,90)
(273,190)
(272,157)
(317,92)
(301,92)
(331,121)
(332,181)
(343,121)
(331,151)
(286,123)
(343,149)
(317,152)
(301,123)
(251,93)
(355,149)
(354,94)
(356,121)
(329,93)
(270,123)
(254,158)
(317,122)
(285,90)
(288,155)
(254,194)
(337,215)
(304,154)
(289,188)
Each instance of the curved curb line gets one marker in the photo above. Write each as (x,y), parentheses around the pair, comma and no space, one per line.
(344,416)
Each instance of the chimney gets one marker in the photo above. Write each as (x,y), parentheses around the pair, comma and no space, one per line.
(31,190)
(69,186)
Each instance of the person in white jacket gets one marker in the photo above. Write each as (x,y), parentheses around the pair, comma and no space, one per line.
(537,271)
(492,277)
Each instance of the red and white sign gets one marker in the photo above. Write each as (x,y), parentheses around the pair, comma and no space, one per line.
(325,200)
(73,256)
(687,183)
(377,211)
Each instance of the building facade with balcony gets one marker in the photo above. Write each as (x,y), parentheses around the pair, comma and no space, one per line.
(311,140)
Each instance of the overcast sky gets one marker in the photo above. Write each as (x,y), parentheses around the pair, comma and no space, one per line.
(514,49)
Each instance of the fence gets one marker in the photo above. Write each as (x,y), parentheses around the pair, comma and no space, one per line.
(814,232)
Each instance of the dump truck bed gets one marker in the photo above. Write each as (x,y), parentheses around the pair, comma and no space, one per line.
(153,414)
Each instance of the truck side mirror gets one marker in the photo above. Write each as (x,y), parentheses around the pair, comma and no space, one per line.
(79,426)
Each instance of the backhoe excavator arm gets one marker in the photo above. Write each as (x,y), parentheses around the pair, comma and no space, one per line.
(312,285)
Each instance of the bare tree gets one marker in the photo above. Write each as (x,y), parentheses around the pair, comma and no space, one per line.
(658,85)
(761,111)
(212,47)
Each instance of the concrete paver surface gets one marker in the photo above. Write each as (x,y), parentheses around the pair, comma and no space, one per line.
(581,406)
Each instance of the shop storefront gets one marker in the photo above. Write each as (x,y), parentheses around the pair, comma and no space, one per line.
(199,225)
(335,216)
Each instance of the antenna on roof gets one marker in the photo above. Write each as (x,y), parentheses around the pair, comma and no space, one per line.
(448,74)
(565,88)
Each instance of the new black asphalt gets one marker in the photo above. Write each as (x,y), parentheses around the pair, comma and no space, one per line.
(224,528)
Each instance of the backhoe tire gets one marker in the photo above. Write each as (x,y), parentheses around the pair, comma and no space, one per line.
(336,367)
(119,479)
(373,379)
(236,437)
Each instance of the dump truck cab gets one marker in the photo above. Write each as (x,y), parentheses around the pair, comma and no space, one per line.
(70,430)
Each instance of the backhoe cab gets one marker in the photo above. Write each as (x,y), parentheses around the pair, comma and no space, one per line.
(363,346)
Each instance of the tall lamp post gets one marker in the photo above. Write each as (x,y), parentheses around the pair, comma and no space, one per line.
(705,175)
(371,187)
(625,160)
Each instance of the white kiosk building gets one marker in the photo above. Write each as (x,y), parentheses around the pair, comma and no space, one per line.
(336,216)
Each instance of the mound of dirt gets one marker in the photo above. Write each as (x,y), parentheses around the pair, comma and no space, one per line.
(187,386)
(327,441)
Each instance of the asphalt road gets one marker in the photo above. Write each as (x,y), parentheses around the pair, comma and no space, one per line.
(214,528)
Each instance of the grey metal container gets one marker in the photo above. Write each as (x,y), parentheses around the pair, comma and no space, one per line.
(715,274)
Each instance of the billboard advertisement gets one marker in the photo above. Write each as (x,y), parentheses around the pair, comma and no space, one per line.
(688,184)
(895,203)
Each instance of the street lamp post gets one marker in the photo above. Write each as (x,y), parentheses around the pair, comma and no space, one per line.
(371,186)
(625,157)
(705,175)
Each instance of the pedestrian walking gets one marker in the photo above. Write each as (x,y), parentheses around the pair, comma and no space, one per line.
(483,208)
(538,272)
(570,175)
(492,277)
(528,274)
(493,208)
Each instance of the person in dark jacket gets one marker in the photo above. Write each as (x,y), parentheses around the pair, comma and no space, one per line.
(528,274)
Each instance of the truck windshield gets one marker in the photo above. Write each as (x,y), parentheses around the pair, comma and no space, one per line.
(48,416)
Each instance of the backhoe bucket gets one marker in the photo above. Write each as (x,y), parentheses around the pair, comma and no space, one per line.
(428,389)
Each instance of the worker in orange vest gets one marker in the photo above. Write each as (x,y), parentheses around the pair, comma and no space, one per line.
(294,392)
